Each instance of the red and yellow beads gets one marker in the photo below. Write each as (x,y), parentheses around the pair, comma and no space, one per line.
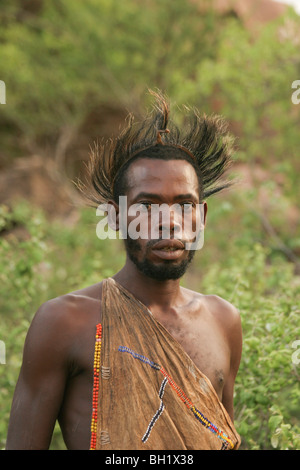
(97,356)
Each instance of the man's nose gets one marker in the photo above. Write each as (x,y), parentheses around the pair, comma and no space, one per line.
(170,219)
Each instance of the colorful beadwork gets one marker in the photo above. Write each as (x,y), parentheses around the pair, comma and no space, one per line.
(197,414)
(97,355)
(142,358)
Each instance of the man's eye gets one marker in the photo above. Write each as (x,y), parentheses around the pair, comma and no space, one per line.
(146,205)
(187,206)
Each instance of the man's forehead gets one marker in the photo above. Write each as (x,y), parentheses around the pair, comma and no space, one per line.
(150,173)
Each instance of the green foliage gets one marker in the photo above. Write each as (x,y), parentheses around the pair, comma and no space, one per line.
(267,293)
(19,287)
(60,63)
(268,381)
(249,81)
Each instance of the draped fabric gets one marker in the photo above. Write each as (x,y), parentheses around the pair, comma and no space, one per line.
(151,395)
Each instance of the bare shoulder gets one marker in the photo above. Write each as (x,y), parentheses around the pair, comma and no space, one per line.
(222,312)
(72,302)
(65,315)
(228,318)
(217,306)
(222,309)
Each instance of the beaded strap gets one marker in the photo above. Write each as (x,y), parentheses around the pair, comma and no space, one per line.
(197,413)
(158,412)
(97,355)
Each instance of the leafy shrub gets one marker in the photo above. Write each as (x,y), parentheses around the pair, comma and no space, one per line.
(267,387)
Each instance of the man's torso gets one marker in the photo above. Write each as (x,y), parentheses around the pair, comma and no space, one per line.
(194,326)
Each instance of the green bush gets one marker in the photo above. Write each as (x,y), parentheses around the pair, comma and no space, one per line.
(240,264)
(267,388)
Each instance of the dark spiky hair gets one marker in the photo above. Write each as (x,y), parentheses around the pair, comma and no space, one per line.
(204,142)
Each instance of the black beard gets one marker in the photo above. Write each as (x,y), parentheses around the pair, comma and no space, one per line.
(163,272)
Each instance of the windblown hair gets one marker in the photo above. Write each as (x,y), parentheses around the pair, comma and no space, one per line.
(204,142)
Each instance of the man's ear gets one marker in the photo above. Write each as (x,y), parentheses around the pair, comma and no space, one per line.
(205,211)
(113,215)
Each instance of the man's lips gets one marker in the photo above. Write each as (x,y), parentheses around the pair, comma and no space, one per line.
(168,245)
(168,249)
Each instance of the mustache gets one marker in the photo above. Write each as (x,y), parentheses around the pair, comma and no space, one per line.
(151,243)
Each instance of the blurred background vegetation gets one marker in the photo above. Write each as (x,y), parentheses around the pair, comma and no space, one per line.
(73,70)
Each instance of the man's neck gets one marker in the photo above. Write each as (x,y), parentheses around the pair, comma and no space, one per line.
(154,294)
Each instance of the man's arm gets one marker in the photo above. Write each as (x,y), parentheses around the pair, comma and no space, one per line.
(39,392)
(234,335)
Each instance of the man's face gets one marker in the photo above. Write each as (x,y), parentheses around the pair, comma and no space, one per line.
(169,184)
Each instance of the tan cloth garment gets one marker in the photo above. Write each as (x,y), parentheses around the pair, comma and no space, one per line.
(151,394)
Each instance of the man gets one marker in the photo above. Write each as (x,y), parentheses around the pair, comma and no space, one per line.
(137,361)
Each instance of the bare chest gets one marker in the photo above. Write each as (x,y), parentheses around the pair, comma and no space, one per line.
(205,344)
